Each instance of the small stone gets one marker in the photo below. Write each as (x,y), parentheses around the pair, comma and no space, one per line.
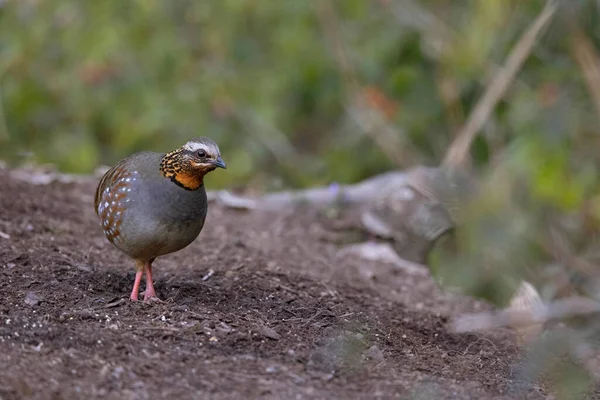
(84,267)
(117,372)
(296,378)
(32,299)
(375,353)
(268,332)
(224,328)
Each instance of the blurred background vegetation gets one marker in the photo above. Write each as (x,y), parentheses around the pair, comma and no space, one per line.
(283,85)
(306,93)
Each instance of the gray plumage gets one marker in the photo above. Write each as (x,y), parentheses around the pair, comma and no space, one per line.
(152,204)
(158,217)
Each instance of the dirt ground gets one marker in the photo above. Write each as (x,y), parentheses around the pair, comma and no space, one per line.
(283,316)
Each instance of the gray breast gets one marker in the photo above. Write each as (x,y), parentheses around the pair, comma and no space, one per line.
(160,217)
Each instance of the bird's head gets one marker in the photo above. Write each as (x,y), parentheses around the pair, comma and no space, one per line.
(187,165)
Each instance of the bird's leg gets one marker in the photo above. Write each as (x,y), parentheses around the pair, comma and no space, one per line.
(150,294)
(139,266)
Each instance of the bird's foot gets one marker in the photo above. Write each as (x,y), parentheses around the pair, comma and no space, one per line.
(151,297)
(149,293)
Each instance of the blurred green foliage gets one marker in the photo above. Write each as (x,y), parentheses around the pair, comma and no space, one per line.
(85,83)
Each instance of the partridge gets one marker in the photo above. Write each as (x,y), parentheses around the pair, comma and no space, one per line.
(152,204)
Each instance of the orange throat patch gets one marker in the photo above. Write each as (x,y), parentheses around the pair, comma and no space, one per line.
(180,172)
(186,180)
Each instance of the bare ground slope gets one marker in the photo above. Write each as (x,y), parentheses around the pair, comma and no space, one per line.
(282,317)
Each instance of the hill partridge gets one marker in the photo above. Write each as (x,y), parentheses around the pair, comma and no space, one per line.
(152,204)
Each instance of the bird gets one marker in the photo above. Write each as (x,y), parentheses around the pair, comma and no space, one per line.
(151,204)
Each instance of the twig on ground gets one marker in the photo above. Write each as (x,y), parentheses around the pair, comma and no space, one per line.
(210,273)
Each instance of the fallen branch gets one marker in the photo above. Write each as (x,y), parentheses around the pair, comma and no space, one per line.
(434,184)
(360,193)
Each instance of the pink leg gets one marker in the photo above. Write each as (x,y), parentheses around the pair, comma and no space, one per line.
(150,294)
(136,285)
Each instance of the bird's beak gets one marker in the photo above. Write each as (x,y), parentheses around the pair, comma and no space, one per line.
(220,163)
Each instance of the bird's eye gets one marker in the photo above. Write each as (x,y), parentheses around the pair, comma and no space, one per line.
(201,153)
